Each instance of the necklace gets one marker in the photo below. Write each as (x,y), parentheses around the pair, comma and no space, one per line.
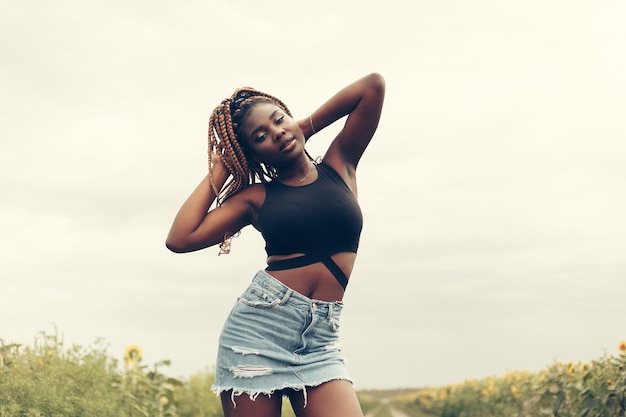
(301,180)
(307,174)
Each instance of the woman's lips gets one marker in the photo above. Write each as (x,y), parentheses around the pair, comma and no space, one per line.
(288,144)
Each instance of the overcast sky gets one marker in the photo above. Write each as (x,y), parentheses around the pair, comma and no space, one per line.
(493,192)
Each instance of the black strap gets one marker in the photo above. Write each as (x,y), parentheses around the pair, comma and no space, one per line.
(336,271)
(309,259)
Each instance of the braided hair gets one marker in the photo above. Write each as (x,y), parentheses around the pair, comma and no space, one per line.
(224,140)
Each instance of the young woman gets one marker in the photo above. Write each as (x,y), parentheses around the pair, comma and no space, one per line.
(281,337)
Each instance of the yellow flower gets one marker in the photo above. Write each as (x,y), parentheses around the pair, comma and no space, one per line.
(571,368)
(622,346)
(163,400)
(515,392)
(487,392)
(132,355)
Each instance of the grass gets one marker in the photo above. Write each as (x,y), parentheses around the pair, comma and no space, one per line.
(52,380)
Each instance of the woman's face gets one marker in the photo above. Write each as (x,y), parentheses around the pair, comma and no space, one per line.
(273,137)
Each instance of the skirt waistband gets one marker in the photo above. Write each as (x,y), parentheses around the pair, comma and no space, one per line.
(275,289)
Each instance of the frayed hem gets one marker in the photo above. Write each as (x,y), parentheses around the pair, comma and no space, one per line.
(253,394)
(238,393)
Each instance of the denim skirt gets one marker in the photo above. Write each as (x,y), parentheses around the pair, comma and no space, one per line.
(276,339)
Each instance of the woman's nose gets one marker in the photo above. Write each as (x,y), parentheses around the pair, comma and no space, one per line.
(278,134)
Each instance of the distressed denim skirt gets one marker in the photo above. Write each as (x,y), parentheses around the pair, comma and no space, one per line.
(276,339)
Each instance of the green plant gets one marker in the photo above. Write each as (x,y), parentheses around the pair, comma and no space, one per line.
(596,389)
(48,380)
(195,399)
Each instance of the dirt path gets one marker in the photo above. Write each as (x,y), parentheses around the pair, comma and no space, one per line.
(397,413)
(392,410)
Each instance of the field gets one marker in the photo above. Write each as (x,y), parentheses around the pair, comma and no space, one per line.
(48,379)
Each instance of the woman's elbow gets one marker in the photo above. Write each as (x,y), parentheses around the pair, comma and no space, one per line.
(185,243)
(178,244)
(175,246)
(374,89)
(376,82)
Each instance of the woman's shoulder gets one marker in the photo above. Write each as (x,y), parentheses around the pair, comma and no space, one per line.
(253,195)
(253,191)
(337,167)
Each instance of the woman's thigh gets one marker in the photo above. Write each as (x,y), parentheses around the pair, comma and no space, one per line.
(333,398)
(261,406)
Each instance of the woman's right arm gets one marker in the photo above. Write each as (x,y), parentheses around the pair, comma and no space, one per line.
(195,227)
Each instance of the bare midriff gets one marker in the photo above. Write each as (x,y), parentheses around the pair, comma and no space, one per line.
(315,281)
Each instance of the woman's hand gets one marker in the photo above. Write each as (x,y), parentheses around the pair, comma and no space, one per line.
(306,128)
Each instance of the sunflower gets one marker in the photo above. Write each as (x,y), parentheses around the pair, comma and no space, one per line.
(132,355)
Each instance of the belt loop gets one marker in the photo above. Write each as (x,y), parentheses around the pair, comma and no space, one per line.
(286,296)
(331,317)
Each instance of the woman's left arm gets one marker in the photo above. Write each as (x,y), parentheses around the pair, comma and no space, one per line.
(362,102)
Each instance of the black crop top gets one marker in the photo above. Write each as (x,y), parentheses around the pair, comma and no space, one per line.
(318,219)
